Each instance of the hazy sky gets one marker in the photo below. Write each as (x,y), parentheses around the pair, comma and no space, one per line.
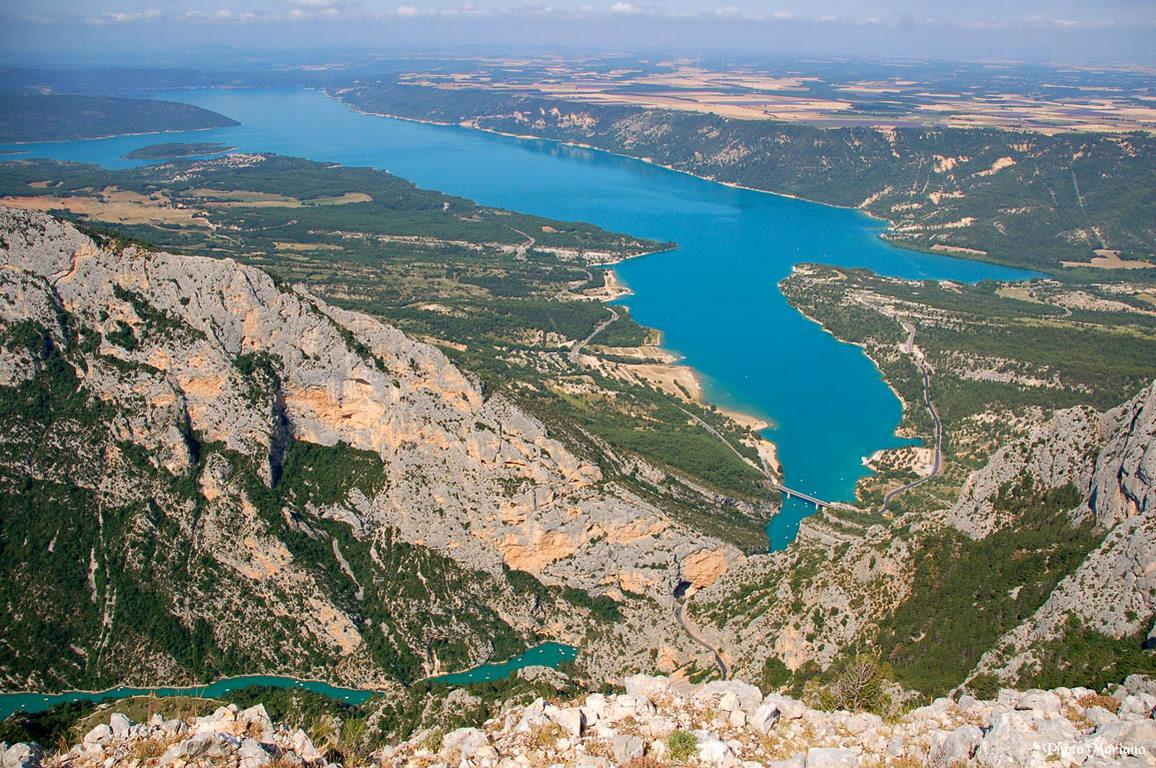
(1079,30)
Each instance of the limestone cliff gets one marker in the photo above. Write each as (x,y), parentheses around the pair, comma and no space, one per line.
(284,484)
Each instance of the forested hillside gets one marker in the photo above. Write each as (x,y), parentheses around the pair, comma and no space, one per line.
(58,117)
(1018,198)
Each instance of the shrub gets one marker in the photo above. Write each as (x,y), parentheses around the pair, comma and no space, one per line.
(774,675)
(858,686)
(683,745)
(545,735)
(433,740)
(1100,700)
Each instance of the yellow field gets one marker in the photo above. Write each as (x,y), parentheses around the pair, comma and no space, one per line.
(240,198)
(758,95)
(116,206)
(1105,259)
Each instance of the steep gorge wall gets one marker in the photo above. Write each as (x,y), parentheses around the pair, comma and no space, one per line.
(270,454)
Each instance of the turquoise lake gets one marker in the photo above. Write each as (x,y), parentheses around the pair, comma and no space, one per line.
(547,655)
(715,298)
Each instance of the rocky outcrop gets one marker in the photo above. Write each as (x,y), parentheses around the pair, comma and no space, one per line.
(727,725)
(1058,453)
(807,603)
(1110,458)
(732,724)
(1124,482)
(229,736)
(211,370)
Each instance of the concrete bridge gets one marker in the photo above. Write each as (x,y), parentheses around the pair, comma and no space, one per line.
(819,503)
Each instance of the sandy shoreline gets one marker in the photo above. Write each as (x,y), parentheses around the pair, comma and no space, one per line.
(613,287)
(663,369)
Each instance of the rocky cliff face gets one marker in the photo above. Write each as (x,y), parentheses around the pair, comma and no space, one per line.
(283,481)
(1124,483)
(1060,452)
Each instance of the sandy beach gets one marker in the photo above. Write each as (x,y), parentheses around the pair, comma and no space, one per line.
(664,370)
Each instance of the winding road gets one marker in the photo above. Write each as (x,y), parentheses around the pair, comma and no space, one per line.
(936,460)
(725,442)
(577,348)
(718,659)
(520,253)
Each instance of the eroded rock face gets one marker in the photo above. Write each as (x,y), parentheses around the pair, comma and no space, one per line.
(1054,455)
(704,567)
(1124,482)
(204,363)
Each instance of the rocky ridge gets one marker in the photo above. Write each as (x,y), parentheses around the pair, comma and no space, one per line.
(657,723)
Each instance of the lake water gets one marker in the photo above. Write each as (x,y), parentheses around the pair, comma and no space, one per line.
(715,299)
(546,655)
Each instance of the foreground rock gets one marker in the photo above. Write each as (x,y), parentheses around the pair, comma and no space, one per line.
(719,725)
(228,737)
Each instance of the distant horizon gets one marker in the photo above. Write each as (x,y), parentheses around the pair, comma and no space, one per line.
(236,56)
(71,33)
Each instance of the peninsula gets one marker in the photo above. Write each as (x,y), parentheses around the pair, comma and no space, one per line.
(61,117)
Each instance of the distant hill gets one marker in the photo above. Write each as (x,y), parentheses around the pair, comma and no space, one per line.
(31,117)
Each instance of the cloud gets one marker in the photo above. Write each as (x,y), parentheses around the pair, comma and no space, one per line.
(627,9)
(123,17)
(985,15)
(226,14)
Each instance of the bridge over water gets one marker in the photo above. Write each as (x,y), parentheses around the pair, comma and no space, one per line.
(819,503)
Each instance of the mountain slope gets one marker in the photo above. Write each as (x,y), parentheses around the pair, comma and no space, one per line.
(1043,572)
(204,474)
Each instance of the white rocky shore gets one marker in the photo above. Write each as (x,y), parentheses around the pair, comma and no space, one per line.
(654,724)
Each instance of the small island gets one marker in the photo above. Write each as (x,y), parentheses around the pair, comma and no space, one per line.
(175,149)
